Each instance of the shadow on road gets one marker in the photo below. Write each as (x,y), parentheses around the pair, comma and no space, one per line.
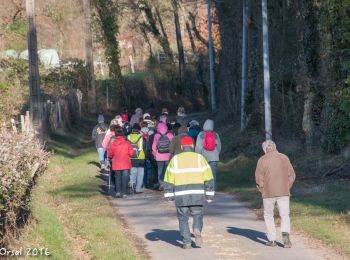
(104,189)
(170,236)
(94,163)
(254,235)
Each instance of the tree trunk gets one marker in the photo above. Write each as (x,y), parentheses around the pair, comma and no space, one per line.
(307,121)
(89,58)
(200,71)
(180,48)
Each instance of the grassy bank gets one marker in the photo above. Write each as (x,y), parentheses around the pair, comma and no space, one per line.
(319,207)
(71,218)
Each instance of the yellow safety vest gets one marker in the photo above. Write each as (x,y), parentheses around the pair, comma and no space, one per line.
(133,138)
(188,169)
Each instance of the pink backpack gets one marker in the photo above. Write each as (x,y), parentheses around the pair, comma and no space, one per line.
(209,141)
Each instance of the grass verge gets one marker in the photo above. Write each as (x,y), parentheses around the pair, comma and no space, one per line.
(71,218)
(320,208)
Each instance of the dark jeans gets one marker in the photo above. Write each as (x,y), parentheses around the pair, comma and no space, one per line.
(161,170)
(183,214)
(149,173)
(214,166)
(122,181)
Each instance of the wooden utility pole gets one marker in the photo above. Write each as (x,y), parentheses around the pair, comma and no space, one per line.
(211,60)
(89,58)
(34,79)
(267,98)
(244,64)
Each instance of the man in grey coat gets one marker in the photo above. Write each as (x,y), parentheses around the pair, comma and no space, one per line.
(212,155)
(98,134)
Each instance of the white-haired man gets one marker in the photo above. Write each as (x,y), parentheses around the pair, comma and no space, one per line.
(274,177)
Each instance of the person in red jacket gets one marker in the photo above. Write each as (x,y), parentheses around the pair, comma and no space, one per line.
(120,153)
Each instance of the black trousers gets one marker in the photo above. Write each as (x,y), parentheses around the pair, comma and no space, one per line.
(122,181)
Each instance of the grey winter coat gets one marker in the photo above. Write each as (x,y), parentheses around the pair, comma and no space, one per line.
(98,134)
(210,156)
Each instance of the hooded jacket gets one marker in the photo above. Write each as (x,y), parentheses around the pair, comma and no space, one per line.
(120,152)
(175,146)
(162,129)
(135,119)
(210,156)
(98,134)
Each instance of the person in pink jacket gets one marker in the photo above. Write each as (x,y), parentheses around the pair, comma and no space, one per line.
(108,136)
(161,150)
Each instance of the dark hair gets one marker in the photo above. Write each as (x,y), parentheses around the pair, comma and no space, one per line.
(112,128)
(119,131)
(136,126)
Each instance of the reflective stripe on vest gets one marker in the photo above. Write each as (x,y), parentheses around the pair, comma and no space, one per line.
(176,170)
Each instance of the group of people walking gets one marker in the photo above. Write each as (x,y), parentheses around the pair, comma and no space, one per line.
(181,158)
(138,150)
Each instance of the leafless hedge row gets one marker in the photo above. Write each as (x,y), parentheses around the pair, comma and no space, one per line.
(22,159)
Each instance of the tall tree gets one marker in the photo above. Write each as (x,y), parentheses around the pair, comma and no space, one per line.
(150,24)
(244,63)
(180,47)
(89,57)
(107,11)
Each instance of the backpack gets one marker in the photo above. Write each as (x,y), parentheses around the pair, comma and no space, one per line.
(101,129)
(136,148)
(163,144)
(209,141)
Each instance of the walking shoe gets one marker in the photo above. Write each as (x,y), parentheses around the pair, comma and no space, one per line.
(118,195)
(186,246)
(286,240)
(132,188)
(198,238)
(271,243)
(125,196)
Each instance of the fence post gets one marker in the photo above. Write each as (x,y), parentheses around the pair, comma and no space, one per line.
(27,121)
(13,124)
(22,124)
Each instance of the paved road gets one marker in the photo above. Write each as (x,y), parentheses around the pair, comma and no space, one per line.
(231,231)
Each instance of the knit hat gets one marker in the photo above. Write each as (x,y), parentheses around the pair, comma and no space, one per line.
(146,116)
(125,117)
(100,119)
(192,123)
(138,110)
(186,141)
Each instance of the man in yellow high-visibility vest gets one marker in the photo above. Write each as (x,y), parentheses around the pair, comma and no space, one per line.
(189,181)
